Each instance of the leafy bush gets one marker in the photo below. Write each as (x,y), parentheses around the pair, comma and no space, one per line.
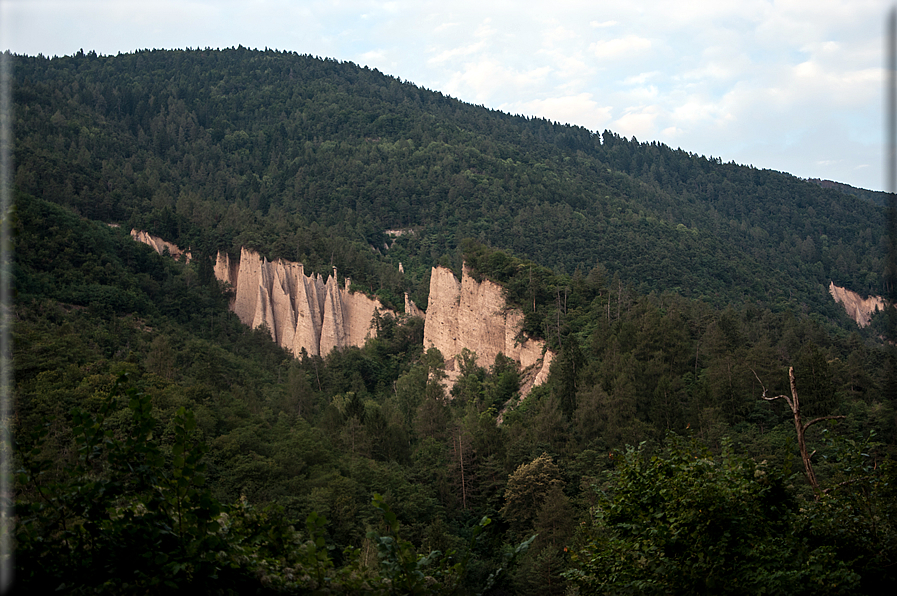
(686,522)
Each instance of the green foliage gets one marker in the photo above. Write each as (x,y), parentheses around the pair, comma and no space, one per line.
(313,160)
(553,305)
(405,571)
(685,522)
(129,515)
(527,489)
(857,514)
(540,570)
(125,516)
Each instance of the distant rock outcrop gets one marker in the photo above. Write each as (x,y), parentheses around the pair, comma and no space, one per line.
(301,311)
(858,308)
(474,315)
(159,245)
(306,312)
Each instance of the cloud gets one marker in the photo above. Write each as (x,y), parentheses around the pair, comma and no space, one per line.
(559,35)
(447,55)
(568,64)
(373,56)
(696,110)
(485,78)
(444,26)
(641,78)
(638,122)
(670,133)
(624,46)
(579,109)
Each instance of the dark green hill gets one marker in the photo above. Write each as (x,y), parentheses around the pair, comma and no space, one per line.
(313,160)
(606,242)
(875,196)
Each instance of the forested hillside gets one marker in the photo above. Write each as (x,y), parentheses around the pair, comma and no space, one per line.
(281,153)
(675,290)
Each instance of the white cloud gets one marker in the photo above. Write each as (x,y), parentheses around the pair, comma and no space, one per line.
(444,26)
(484,79)
(373,56)
(641,78)
(670,133)
(638,122)
(577,109)
(624,46)
(699,111)
(467,50)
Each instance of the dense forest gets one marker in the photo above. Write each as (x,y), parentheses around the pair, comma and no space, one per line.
(280,153)
(676,291)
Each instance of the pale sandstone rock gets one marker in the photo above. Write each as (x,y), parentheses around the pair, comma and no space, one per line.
(249,279)
(858,308)
(411,308)
(332,335)
(309,315)
(441,327)
(474,315)
(301,312)
(159,245)
(262,316)
(305,312)
(225,270)
(358,314)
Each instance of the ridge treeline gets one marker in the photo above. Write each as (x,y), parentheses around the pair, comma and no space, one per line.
(279,152)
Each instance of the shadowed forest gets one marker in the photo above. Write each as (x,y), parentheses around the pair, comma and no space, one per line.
(676,290)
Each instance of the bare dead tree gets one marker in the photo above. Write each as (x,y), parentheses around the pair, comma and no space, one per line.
(460,453)
(801,428)
(463,485)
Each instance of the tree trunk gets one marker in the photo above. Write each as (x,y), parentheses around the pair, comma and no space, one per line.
(800,427)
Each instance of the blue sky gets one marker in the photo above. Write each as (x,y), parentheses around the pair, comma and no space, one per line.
(795,85)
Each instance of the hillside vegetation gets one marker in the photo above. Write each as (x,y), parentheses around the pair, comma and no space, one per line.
(150,423)
(312,160)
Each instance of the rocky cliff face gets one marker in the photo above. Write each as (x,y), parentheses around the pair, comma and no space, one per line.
(159,245)
(473,315)
(307,312)
(300,311)
(411,308)
(858,308)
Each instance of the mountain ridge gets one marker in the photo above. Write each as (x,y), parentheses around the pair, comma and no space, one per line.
(269,150)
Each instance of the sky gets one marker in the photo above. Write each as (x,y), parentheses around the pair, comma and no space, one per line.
(794,85)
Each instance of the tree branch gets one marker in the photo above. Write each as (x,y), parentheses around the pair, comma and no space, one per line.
(845,483)
(785,397)
(821,418)
(794,403)
(764,387)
